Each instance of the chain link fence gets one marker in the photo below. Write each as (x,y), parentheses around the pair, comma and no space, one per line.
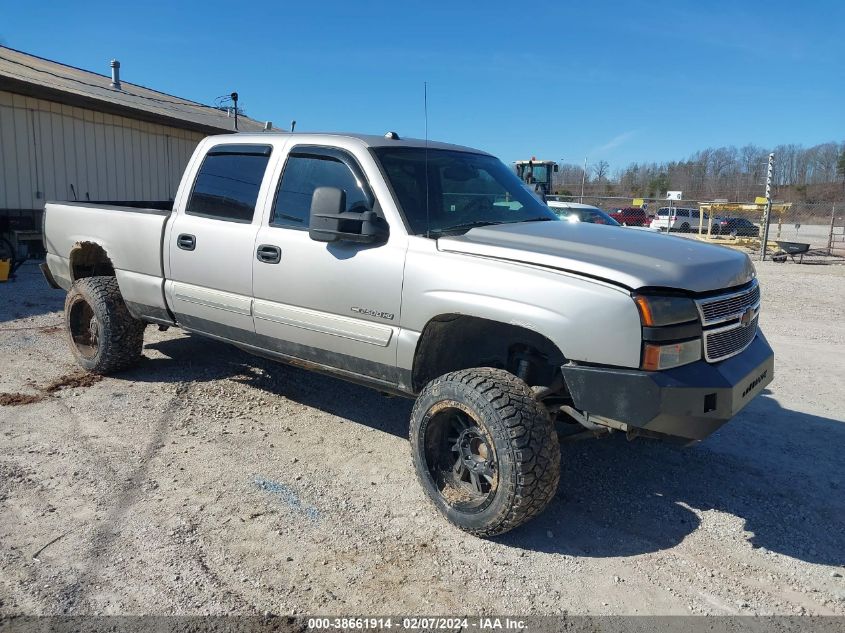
(820,225)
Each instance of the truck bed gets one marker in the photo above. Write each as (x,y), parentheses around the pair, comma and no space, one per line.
(131,237)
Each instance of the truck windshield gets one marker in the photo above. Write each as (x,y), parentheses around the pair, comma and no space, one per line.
(464,190)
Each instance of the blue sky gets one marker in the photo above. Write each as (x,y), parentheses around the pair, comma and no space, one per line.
(622,82)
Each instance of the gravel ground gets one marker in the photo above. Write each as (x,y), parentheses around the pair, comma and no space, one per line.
(207,481)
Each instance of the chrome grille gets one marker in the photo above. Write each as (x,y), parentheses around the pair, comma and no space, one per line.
(729,321)
(728,341)
(727,307)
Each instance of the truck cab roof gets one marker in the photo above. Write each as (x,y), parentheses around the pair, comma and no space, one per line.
(330,138)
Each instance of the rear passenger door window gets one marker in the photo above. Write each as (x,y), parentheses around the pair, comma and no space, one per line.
(305,171)
(228,182)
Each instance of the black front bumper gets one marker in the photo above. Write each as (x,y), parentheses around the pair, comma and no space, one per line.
(689,402)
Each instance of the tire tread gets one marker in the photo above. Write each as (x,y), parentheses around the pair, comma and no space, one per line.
(121,334)
(530,438)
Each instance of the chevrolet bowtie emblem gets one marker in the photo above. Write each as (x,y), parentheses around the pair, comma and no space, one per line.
(747,317)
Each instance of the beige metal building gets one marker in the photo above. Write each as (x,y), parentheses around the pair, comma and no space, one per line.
(71,134)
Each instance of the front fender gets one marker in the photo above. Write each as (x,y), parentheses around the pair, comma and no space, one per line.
(589,321)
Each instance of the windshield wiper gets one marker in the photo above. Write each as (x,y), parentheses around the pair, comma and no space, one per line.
(467,226)
(471,225)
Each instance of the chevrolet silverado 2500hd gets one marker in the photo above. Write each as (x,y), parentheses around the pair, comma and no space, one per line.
(426,270)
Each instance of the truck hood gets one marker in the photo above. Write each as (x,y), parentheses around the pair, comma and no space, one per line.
(634,259)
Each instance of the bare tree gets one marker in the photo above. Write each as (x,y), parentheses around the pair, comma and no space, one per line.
(840,165)
(601,169)
(728,172)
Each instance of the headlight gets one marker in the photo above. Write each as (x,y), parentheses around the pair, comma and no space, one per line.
(671,331)
(657,357)
(659,311)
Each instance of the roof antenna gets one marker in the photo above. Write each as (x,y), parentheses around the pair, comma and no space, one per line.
(234,96)
(425,112)
(292,125)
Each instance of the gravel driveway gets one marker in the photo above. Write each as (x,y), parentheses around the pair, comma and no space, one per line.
(209,481)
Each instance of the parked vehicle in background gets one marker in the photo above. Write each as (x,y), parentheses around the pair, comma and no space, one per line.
(630,216)
(539,172)
(683,219)
(576,212)
(741,227)
(537,176)
(424,270)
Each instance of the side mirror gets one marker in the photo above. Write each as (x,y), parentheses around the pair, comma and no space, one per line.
(330,222)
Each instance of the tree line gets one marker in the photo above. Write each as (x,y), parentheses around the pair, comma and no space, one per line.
(812,174)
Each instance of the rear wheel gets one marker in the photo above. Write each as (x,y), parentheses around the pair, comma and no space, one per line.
(103,336)
(685,227)
(484,450)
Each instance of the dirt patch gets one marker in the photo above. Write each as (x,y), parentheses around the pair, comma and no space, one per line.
(43,329)
(17,399)
(68,381)
(71,381)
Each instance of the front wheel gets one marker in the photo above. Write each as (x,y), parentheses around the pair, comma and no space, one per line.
(484,450)
(103,336)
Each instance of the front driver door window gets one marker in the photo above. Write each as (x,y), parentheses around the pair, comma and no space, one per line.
(305,172)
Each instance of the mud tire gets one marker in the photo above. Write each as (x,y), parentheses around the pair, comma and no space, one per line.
(103,337)
(522,436)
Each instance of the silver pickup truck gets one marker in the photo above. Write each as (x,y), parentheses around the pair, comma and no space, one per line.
(426,270)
